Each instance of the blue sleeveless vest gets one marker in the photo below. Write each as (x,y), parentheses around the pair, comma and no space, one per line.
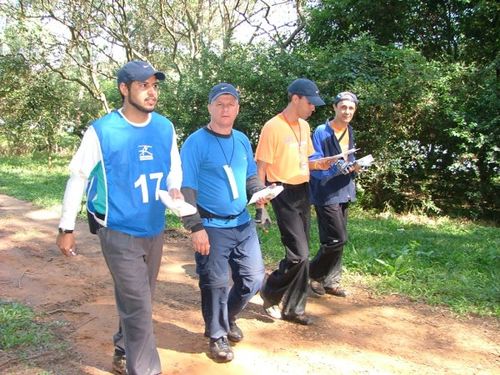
(135,162)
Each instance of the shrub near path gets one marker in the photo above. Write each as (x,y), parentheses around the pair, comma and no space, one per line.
(361,334)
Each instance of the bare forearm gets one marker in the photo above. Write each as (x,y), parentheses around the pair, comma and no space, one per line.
(261,170)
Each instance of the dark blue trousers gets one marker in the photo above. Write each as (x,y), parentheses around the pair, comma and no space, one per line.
(326,267)
(236,249)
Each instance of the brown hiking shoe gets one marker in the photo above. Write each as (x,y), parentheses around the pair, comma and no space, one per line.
(336,291)
(317,288)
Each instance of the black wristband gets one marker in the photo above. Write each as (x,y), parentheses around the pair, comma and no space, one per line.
(197,227)
(65,230)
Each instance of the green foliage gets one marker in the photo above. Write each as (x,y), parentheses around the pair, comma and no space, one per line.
(261,74)
(426,74)
(36,114)
(437,134)
(431,127)
(19,328)
(442,30)
(441,262)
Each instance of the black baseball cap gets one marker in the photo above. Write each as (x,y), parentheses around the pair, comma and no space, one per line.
(222,89)
(137,71)
(306,87)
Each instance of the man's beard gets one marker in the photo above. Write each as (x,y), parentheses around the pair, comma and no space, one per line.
(140,107)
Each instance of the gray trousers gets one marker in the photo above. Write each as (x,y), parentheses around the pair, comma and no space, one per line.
(134,263)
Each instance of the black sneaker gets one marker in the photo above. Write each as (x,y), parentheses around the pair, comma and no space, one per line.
(235,334)
(220,350)
(119,362)
(302,319)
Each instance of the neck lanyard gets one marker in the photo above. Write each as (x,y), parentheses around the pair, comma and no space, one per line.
(228,162)
(302,163)
(299,138)
(342,135)
(227,168)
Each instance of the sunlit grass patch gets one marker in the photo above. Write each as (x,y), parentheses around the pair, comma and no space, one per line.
(20,328)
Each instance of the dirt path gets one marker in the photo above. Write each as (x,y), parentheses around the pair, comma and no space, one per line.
(361,334)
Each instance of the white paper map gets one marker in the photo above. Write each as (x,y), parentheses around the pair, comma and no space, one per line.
(365,161)
(178,206)
(269,192)
(334,158)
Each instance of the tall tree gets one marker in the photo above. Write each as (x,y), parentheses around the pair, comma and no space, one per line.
(85,41)
(438,28)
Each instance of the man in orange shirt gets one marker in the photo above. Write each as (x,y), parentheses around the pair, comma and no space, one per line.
(282,158)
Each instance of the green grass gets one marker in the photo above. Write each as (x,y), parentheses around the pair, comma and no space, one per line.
(29,178)
(441,261)
(25,337)
(19,328)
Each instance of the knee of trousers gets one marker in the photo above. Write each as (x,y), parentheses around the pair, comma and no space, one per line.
(213,280)
(299,261)
(253,283)
(333,247)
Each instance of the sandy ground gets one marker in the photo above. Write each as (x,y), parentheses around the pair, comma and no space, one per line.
(361,334)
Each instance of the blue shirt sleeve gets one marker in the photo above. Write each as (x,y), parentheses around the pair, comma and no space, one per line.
(318,138)
(190,163)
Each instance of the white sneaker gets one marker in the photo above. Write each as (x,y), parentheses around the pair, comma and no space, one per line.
(273,311)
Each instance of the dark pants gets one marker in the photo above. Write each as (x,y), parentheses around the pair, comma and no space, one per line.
(326,267)
(134,264)
(288,284)
(239,249)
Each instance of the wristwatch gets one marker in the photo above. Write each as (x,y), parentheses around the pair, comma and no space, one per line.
(65,230)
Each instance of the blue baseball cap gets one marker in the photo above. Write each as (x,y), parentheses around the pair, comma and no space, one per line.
(137,71)
(222,88)
(306,87)
(345,95)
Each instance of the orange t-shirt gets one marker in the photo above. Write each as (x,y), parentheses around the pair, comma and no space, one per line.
(344,142)
(286,149)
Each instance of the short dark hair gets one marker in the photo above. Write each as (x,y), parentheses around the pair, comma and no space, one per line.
(290,95)
(129,85)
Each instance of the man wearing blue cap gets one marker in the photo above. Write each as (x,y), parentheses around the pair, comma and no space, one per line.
(124,158)
(331,193)
(219,169)
(282,158)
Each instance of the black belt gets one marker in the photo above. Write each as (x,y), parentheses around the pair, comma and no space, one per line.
(208,215)
(290,186)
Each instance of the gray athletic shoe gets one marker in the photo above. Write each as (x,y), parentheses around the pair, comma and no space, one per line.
(220,350)
(119,362)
